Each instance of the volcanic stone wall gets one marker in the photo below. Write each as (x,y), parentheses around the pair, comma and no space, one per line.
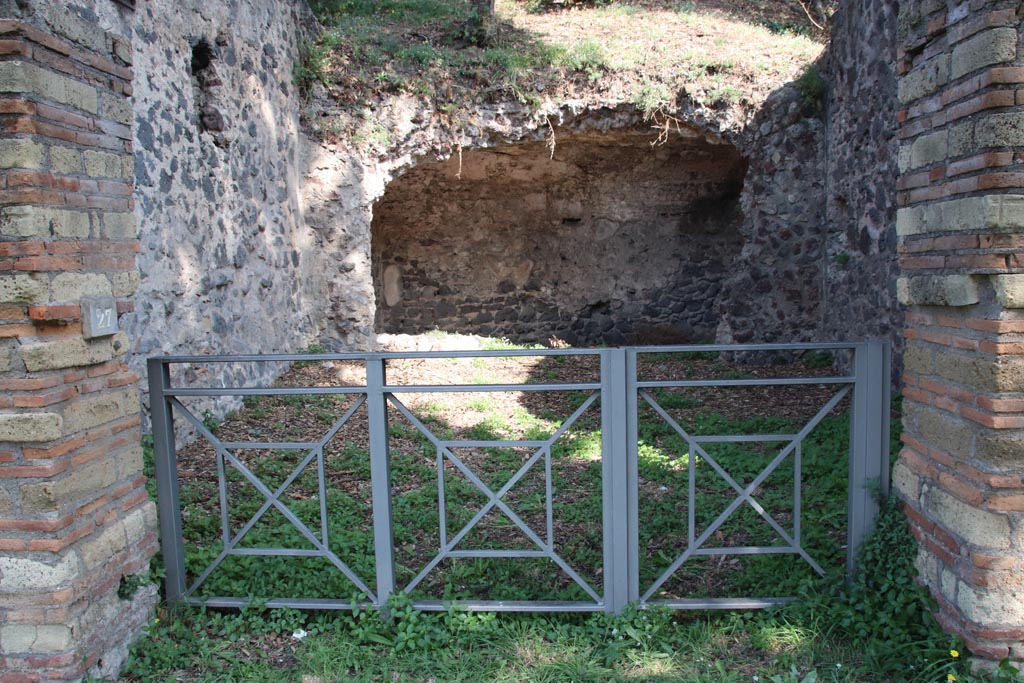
(229,264)
(604,238)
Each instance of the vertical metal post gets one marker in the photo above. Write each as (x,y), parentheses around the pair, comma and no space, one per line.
(633,474)
(166,461)
(614,432)
(866,445)
(380,476)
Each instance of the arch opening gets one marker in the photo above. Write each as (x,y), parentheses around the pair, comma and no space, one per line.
(605,239)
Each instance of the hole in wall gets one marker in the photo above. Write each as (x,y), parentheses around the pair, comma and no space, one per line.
(611,241)
(202,56)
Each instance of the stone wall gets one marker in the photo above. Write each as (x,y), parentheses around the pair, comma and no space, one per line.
(861,150)
(961,235)
(773,292)
(75,520)
(604,239)
(229,265)
(819,201)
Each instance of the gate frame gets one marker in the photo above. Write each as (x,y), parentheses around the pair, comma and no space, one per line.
(619,389)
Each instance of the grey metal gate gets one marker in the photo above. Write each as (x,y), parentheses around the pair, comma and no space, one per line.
(620,392)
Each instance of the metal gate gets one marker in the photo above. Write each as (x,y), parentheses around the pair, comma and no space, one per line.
(621,393)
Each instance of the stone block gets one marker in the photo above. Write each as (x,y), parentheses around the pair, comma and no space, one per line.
(23,289)
(66,161)
(129,462)
(924,80)
(105,165)
(5,359)
(119,226)
(51,496)
(93,410)
(929,149)
(5,503)
(951,434)
(19,77)
(30,427)
(140,522)
(1003,374)
(1009,290)
(999,130)
(938,290)
(918,359)
(125,284)
(72,287)
(995,46)
(974,214)
(961,139)
(1001,449)
(976,526)
(30,639)
(906,483)
(1000,606)
(42,221)
(23,575)
(116,108)
(72,27)
(100,549)
(66,353)
(21,153)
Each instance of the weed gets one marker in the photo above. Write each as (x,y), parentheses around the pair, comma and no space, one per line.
(812,87)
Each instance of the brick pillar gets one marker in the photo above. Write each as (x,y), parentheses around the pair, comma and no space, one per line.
(961,242)
(74,515)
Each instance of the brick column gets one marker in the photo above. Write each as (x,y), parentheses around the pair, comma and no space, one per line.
(74,516)
(961,242)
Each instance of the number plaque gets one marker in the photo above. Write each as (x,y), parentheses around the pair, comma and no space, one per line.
(99,317)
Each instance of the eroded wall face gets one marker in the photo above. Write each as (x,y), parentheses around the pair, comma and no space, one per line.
(610,239)
(228,263)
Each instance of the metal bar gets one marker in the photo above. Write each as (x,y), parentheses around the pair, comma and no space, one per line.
(267,391)
(615,478)
(721,603)
(691,493)
(549,506)
(632,549)
(277,603)
(442,515)
(743,438)
(498,553)
(507,606)
(866,449)
(536,443)
(321,490)
(486,388)
(886,417)
(380,478)
(275,552)
(168,497)
(293,357)
(778,381)
(809,346)
(797,482)
(222,494)
(749,550)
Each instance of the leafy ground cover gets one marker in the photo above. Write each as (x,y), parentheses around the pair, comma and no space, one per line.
(660,55)
(875,629)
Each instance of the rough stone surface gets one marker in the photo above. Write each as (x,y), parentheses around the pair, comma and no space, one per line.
(975,526)
(1009,290)
(30,427)
(988,47)
(230,266)
(859,258)
(938,290)
(608,240)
